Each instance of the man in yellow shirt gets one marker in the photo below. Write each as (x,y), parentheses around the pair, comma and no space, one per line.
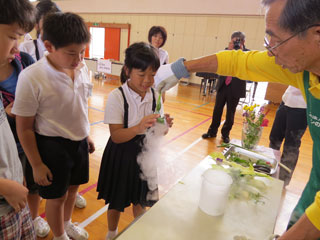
(293,58)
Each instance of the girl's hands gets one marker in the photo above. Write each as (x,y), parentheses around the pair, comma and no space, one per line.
(146,122)
(169,119)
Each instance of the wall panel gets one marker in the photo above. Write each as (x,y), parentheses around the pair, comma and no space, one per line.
(189,36)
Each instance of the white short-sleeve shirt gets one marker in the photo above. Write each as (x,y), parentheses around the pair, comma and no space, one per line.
(293,98)
(10,165)
(28,47)
(60,105)
(163,56)
(114,113)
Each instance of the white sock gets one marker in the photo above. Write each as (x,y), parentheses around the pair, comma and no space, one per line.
(111,234)
(64,236)
(67,223)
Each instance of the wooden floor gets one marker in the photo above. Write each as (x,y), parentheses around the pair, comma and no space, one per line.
(184,148)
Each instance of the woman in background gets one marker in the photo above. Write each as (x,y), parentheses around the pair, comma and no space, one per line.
(157,37)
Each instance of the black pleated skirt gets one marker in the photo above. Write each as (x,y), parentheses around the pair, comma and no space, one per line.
(119,182)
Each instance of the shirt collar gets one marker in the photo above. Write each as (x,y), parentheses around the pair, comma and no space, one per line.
(135,95)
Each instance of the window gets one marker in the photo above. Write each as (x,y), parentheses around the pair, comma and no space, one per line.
(97,42)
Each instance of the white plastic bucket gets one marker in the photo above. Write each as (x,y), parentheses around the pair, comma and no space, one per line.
(214,192)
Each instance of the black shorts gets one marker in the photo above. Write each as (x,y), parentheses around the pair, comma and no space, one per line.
(28,174)
(68,162)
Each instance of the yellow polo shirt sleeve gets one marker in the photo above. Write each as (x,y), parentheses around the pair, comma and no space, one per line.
(259,67)
(313,212)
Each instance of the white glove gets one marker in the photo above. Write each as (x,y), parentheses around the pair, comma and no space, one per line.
(169,75)
(165,78)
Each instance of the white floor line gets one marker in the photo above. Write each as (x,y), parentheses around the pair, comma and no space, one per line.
(187,148)
(94,216)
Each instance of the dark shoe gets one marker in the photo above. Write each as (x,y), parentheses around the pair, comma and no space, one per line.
(226,139)
(208,135)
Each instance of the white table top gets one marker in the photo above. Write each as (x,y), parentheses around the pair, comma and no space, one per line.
(177,215)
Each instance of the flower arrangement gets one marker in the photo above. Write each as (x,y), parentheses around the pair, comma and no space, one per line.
(254,121)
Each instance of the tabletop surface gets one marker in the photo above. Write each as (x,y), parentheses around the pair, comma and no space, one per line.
(177,215)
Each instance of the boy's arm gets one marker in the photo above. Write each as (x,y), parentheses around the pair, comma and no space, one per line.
(91,145)
(25,129)
(14,193)
(119,134)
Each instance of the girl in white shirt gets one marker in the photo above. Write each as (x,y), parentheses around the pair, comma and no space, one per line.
(129,113)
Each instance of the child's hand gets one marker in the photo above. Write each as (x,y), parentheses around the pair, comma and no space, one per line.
(15,194)
(169,119)
(91,146)
(146,122)
(8,110)
(42,175)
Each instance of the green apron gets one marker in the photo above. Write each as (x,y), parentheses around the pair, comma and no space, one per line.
(313,185)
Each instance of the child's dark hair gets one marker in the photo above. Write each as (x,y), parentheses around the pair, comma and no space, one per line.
(139,55)
(21,12)
(155,30)
(45,7)
(63,29)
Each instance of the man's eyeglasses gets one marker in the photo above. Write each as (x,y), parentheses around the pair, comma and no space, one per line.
(267,39)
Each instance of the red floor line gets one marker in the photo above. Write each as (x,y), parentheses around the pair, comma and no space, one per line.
(88,189)
(185,132)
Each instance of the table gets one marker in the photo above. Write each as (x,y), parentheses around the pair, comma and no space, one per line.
(207,79)
(177,216)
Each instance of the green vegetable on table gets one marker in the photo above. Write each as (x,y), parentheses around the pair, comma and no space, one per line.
(263,163)
(158,108)
(245,185)
(234,157)
(243,162)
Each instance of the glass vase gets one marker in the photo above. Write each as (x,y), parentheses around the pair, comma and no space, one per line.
(251,135)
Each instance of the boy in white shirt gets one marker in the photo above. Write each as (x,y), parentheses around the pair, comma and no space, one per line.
(51,110)
(36,49)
